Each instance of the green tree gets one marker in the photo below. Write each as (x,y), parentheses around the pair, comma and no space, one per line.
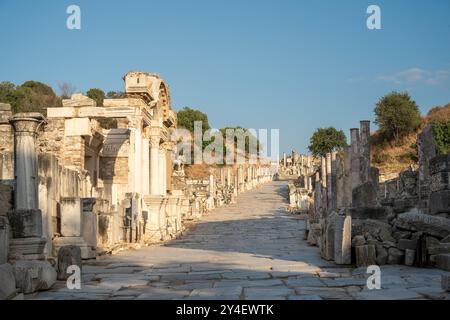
(31,96)
(326,140)
(115,95)
(96,94)
(187,117)
(397,115)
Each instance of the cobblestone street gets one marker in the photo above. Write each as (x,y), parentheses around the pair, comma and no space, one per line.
(250,250)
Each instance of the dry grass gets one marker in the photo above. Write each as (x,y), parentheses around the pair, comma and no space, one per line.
(391,157)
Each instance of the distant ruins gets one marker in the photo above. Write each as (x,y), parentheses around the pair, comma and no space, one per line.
(355,218)
(66,182)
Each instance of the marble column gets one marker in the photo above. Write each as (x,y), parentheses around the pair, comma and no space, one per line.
(26,219)
(154,161)
(162,171)
(146,165)
(170,146)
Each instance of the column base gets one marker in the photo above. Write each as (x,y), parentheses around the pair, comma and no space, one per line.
(87,252)
(27,248)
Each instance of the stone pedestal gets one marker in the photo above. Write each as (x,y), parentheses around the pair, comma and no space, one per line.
(343,240)
(153,228)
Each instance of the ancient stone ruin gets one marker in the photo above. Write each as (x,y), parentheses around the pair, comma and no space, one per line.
(71,188)
(357,218)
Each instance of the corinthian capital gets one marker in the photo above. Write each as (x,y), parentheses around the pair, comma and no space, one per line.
(27,123)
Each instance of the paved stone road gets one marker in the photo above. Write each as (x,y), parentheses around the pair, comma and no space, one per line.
(251,250)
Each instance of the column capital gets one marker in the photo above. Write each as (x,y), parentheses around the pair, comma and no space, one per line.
(27,123)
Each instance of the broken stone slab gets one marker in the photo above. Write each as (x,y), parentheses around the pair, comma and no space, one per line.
(443,261)
(439,202)
(410,256)
(417,221)
(7,282)
(395,256)
(32,276)
(68,256)
(365,255)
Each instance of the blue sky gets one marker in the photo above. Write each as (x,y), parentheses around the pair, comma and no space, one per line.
(292,65)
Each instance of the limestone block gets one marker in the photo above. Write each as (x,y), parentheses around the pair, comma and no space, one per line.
(68,256)
(365,255)
(364,195)
(439,202)
(440,181)
(443,261)
(7,282)
(410,256)
(25,223)
(62,112)
(378,230)
(343,240)
(77,127)
(32,276)
(4,239)
(71,217)
(432,225)
(396,256)
(89,228)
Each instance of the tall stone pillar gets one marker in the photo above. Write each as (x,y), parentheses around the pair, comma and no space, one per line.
(162,171)
(154,161)
(364,149)
(146,165)
(355,158)
(170,146)
(26,126)
(26,219)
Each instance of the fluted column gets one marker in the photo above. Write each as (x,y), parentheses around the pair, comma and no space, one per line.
(154,161)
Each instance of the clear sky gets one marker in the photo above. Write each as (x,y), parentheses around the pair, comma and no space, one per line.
(293,65)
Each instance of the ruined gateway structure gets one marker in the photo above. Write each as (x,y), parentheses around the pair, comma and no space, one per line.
(71,188)
(354,217)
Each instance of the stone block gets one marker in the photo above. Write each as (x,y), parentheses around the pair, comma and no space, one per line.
(440,248)
(7,282)
(68,256)
(32,276)
(343,240)
(395,256)
(404,244)
(410,256)
(4,239)
(25,223)
(443,261)
(439,202)
(432,225)
(26,247)
(77,127)
(364,195)
(379,230)
(71,217)
(365,255)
